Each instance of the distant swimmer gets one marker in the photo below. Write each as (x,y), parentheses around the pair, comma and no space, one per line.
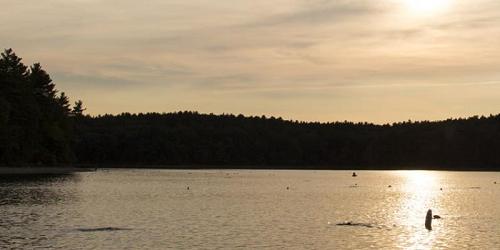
(354,174)
(389,186)
(187,188)
(436,216)
(428,220)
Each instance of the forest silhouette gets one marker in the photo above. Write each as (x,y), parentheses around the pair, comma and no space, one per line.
(35,124)
(38,127)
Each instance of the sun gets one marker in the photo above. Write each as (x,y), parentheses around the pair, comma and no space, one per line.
(426,7)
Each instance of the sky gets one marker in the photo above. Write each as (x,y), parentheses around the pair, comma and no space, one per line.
(378,61)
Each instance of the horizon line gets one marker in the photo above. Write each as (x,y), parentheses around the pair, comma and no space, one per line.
(292,120)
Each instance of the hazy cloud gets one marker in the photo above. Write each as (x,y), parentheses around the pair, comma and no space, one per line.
(319,59)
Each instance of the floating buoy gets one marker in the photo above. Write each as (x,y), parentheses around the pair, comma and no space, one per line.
(428,220)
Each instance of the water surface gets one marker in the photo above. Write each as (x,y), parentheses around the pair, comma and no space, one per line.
(206,209)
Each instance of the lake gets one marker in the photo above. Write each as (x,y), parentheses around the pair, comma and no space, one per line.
(229,209)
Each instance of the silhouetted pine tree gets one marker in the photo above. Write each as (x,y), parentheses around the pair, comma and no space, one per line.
(78,108)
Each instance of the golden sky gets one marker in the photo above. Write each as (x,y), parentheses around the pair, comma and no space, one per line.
(317,60)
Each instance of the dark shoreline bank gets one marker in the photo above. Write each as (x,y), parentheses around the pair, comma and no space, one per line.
(26,171)
(285,167)
(7,171)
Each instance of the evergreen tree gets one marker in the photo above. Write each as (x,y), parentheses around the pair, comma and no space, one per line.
(63,102)
(78,108)
(42,84)
(11,65)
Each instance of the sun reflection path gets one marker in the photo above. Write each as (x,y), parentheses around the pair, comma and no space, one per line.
(420,192)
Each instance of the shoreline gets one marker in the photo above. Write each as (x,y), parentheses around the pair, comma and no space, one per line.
(284,167)
(7,171)
(26,171)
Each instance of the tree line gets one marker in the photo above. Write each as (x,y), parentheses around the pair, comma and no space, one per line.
(39,127)
(193,139)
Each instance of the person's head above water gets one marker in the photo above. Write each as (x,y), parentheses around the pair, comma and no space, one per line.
(428,220)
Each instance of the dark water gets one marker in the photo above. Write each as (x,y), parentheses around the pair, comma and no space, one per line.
(154,209)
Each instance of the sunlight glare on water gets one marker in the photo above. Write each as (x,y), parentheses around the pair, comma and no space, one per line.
(419,194)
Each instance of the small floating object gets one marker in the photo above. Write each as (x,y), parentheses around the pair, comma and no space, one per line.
(436,216)
(441,189)
(428,220)
(354,174)
(347,223)
(389,186)
(102,229)
(354,224)
(287,188)
(187,188)
(495,182)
